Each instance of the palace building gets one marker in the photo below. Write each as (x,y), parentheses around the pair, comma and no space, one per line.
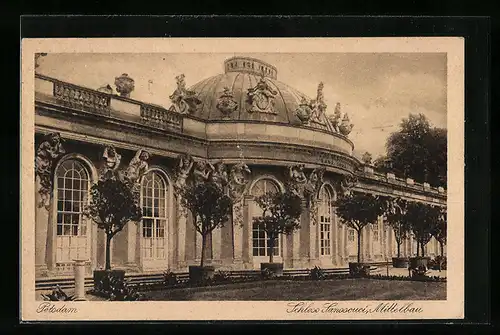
(244,124)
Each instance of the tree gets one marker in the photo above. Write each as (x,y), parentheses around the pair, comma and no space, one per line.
(112,205)
(358,210)
(396,218)
(281,213)
(422,218)
(440,229)
(210,207)
(418,151)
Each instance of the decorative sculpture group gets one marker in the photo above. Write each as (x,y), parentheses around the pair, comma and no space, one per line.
(260,99)
(233,181)
(183,100)
(226,103)
(306,188)
(132,175)
(347,182)
(47,153)
(51,149)
(314,111)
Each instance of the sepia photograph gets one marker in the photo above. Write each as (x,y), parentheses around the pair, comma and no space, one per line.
(300,182)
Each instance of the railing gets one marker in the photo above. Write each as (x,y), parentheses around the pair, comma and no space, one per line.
(160,118)
(80,97)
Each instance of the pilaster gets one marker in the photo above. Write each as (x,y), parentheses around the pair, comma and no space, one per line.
(41,235)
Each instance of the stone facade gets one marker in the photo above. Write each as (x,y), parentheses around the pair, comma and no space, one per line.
(88,121)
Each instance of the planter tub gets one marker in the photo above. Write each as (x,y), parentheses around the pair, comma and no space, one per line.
(400,262)
(359,269)
(101,278)
(415,262)
(201,274)
(274,268)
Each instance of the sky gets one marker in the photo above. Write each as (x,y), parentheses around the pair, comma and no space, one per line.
(377,90)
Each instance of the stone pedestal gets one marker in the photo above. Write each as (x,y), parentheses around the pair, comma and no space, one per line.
(79,270)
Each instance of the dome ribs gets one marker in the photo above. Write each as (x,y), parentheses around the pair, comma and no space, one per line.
(213,95)
(282,94)
(235,94)
(207,97)
(218,88)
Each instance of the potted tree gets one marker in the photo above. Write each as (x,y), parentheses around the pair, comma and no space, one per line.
(112,205)
(396,219)
(356,211)
(210,207)
(422,218)
(280,216)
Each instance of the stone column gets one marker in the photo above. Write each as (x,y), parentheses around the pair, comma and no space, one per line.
(345,245)
(41,234)
(305,237)
(239,210)
(79,270)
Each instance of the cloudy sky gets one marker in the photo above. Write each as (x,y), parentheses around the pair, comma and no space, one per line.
(376,89)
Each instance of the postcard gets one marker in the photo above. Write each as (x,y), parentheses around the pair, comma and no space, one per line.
(242,179)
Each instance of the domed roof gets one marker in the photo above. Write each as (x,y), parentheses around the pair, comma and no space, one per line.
(250,91)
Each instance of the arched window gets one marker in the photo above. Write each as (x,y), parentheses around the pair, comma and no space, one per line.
(154,219)
(72,184)
(325,221)
(260,241)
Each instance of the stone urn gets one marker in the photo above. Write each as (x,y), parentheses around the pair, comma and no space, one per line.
(124,85)
(304,111)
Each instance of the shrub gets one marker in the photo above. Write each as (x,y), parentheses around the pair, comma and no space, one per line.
(419,271)
(58,294)
(170,278)
(317,273)
(268,274)
(117,289)
(221,276)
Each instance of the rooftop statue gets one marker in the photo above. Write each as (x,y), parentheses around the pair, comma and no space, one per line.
(183,101)
(367,158)
(335,118)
